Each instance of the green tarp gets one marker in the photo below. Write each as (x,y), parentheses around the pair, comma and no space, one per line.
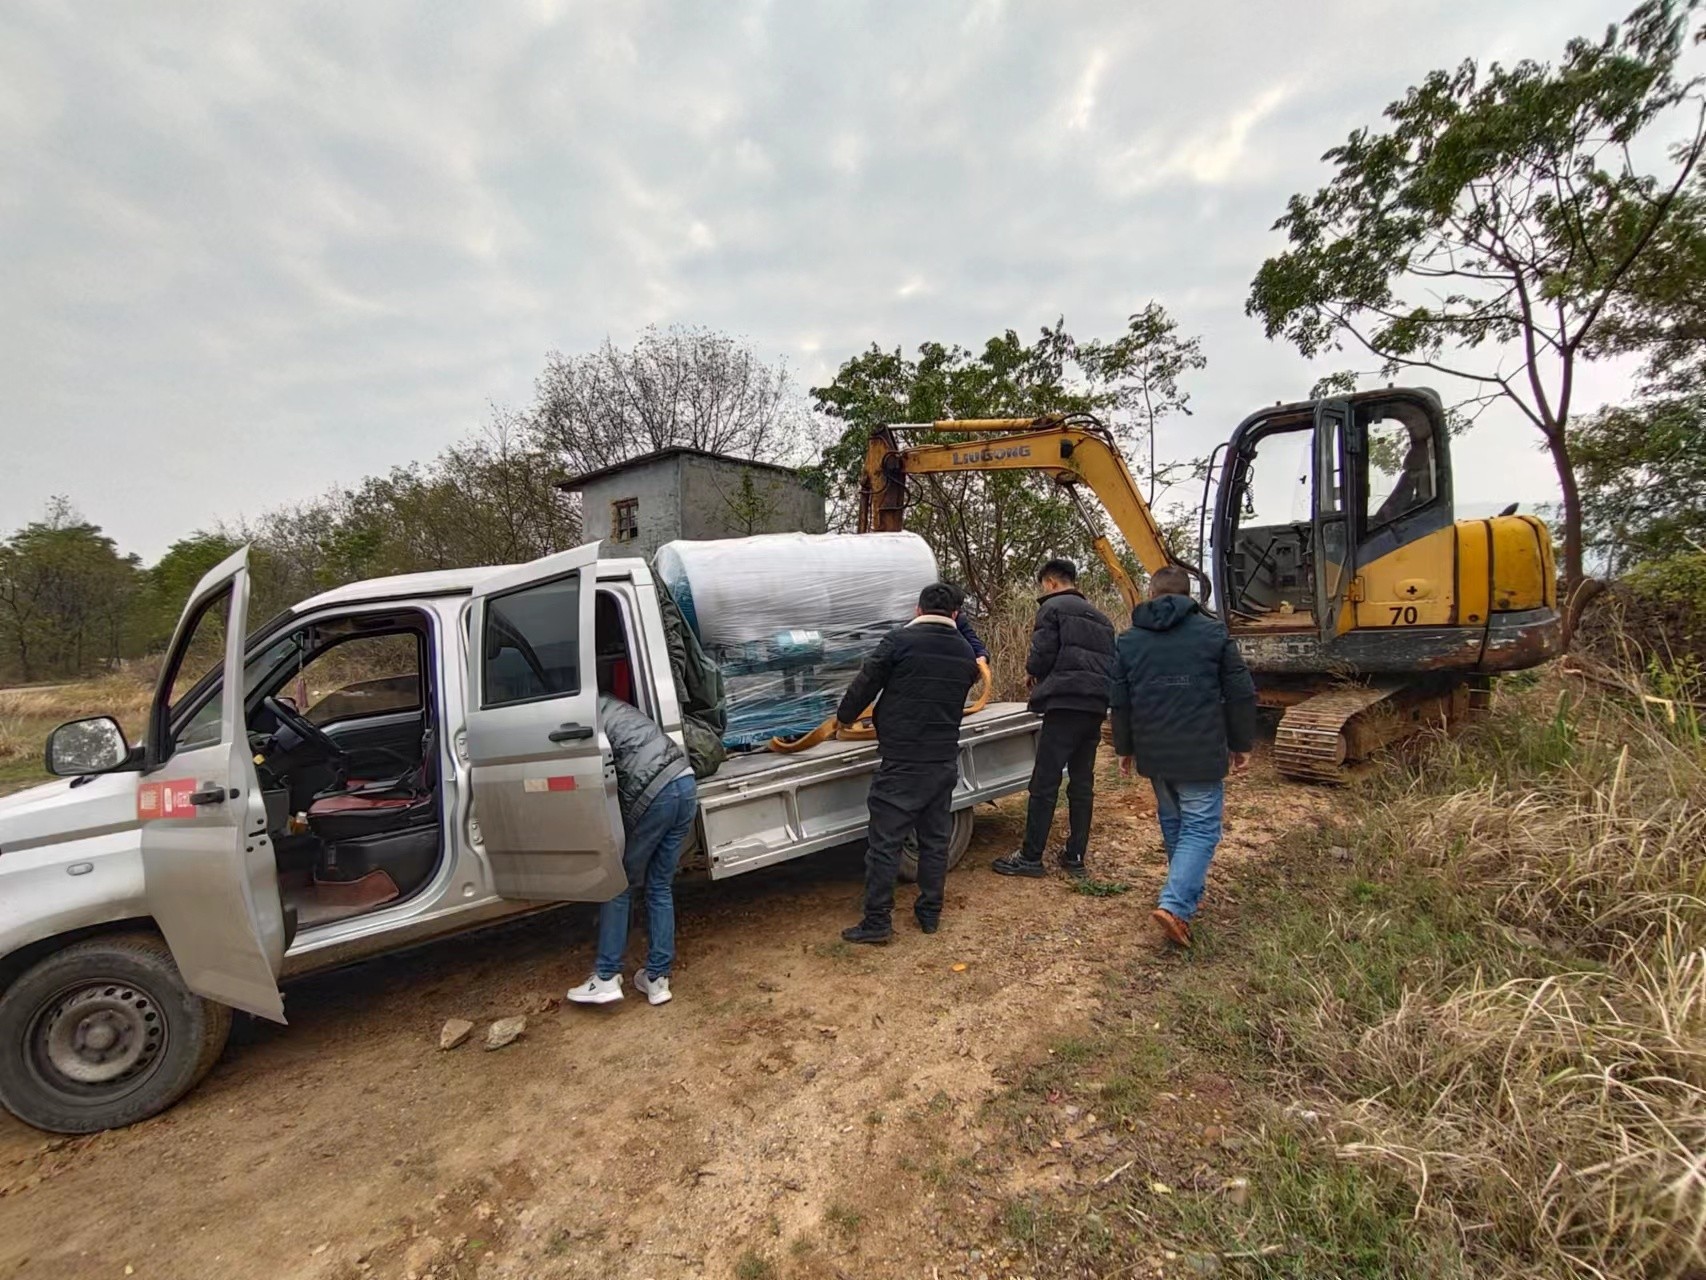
(699,687)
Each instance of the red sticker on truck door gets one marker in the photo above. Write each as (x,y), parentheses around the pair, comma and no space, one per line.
(169,799)
(564,783)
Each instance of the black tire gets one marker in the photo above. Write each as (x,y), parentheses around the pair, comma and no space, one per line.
(964,820)
(112,1007)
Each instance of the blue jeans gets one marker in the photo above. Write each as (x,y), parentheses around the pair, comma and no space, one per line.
(1190,828)
(650,857)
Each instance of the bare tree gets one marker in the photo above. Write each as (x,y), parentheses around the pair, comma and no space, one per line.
(680,386)
(750,506)
(1139,374)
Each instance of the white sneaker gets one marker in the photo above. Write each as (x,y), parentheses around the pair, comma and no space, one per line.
(656,989)
(597,990)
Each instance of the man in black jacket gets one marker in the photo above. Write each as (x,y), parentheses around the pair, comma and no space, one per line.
(1072,649)
(1184,712)
(922,672)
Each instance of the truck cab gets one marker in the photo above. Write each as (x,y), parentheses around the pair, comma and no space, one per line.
(382,764)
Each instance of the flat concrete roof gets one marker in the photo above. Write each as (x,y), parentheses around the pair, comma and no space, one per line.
(663,455)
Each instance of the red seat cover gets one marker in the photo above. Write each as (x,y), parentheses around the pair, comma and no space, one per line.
(350,803)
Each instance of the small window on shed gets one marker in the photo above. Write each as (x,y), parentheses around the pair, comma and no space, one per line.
(625,519)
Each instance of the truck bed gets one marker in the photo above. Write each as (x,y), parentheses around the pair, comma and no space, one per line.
(762,808)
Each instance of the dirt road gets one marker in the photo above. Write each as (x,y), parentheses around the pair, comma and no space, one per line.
(788,1115)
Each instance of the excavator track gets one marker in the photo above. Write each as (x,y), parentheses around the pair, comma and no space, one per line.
(1320,737)
(1317,737)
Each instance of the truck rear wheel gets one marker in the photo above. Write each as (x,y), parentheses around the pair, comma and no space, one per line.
(103,1034)
(964,821)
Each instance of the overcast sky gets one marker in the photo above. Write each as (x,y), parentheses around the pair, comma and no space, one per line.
(255,250)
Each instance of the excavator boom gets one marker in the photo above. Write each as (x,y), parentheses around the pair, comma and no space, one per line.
(1075,450)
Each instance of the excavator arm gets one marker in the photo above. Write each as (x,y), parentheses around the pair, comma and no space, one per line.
(1077,450)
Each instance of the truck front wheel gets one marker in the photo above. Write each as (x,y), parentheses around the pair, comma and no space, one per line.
(104,1033)
(964,820)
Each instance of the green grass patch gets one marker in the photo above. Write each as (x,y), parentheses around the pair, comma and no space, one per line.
(1100,888)
(1303,1213)
(844,1220)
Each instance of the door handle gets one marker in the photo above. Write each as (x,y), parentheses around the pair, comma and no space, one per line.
(213,795)
(572,732)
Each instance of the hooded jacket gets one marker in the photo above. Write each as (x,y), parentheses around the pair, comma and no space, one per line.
(1182,696)
(647,760)
(1072,650)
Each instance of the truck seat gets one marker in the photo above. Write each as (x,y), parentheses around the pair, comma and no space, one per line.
(361,808)
(353,812)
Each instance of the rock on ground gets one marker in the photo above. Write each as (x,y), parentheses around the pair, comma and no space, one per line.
(455,1032)
(505,1031)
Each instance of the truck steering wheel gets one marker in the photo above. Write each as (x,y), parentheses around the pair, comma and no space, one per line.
(311,735)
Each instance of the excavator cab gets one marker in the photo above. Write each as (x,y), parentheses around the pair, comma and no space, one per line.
(1311,492)
(1335,547)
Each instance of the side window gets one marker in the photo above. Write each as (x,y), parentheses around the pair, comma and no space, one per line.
(1332,492)
(1333,520)
(366,676)
(204,653)
(1276,480)
(1403,471)
(531,646)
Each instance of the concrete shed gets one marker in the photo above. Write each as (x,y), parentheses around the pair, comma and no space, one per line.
(638,505)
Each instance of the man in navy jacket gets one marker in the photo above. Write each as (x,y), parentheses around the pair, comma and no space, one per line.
(1184,715)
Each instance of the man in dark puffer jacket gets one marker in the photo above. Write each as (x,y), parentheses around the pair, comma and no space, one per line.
(1184,711)
(1072,649)
(922,672)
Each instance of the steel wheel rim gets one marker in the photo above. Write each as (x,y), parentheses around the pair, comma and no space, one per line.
(97,1039)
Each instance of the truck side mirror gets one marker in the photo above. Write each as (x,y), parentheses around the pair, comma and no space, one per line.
(83,747)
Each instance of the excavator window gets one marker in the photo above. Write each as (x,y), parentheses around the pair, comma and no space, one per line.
(1271,553)
(1402,471)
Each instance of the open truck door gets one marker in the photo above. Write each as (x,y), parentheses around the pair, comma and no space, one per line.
(543,779)
(208,868)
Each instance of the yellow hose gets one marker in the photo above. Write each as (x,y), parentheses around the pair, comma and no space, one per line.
(982,699)
(864,729)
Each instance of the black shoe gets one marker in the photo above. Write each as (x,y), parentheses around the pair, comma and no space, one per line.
(868,931)
(927,924)
(1018,865)
(1075,869)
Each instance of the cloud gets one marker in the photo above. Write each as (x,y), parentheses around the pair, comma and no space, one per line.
(1083,104)
(264,249)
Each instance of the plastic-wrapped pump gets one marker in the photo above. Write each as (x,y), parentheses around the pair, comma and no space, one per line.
(788,617)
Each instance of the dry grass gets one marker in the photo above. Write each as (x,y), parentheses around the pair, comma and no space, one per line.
(1544,1090)
(29,714)
(1470,1016)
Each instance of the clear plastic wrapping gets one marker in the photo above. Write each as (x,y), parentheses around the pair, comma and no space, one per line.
(788,617)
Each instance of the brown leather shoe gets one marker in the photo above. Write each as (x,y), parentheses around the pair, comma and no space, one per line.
(1177,930)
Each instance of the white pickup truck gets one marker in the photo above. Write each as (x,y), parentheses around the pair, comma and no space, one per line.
(410,757)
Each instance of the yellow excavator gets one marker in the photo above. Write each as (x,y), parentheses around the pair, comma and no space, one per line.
(1363,607)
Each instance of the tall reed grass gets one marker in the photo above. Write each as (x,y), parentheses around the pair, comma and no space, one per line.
(1543,1087)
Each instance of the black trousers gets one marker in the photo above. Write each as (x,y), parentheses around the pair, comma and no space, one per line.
(1067,743)
(909,797)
